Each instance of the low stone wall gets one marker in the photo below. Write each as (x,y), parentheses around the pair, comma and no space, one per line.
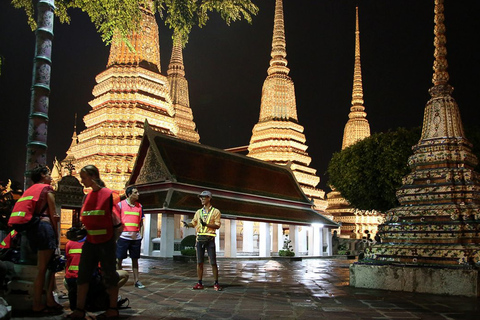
(449,281)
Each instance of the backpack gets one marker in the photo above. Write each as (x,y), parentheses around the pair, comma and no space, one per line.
(23,215)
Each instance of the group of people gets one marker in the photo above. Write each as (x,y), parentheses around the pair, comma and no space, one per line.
(113,231)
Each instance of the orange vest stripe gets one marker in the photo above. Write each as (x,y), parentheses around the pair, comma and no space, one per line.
(96,215)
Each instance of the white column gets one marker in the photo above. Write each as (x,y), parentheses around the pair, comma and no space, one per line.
(230,238)
(274,237)
(265,240)
(247,236)
(328,236)
(280,236)
(311,242)
(317,240)
(149,232)
(320,243)
(168,235)
(302,239)
(294,237)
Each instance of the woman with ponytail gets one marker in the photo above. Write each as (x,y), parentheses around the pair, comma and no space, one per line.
(100,218)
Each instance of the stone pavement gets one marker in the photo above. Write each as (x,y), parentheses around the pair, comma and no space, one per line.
(274,289)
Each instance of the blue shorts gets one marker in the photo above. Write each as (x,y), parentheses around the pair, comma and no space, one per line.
(132,246)
(42,237)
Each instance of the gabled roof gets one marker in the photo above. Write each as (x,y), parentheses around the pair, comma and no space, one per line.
(170,173)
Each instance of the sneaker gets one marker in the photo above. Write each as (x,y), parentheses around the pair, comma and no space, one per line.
(139,285)
(198,286)
(217,287)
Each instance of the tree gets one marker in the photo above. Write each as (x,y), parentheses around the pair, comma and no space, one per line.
(369,172)
(123,16)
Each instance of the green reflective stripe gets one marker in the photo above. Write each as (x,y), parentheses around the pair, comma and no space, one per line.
(3,243)
(128,224)
(18,214)
(25,198)
(207,234)
(71,251)
(209,216)
(93,213)
(132,213)
(73,268)
(12,233)
(97,232)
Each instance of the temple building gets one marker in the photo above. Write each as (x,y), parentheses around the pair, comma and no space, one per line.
(354,222)
(431,242)
(278,137)
(129,91)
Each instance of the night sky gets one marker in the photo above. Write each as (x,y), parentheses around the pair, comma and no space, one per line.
(226,67)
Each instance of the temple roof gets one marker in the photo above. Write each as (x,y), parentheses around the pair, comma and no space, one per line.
(170,173)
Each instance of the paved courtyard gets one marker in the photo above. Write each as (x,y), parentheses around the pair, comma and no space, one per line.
(274,289)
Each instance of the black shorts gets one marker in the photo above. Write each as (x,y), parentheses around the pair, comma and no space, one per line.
(211,251)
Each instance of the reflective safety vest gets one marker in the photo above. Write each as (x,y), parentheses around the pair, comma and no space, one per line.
(73,251)
(6,243)
(131,216)
(96,215)
(24,208)
(206,216)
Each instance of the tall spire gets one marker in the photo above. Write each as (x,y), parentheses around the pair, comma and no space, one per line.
(278,137)
(357,127)
(353,221)
(440,204)
(179,94)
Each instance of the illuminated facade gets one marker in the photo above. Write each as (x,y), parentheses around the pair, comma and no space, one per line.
(179,94)
(129,91)
(278,137)
(354,222)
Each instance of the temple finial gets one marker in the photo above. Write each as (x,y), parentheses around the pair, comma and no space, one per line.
(440,74)
(278,63)
(176,61)
(357,127)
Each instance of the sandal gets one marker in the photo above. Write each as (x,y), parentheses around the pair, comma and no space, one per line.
(104,315)
(77,314)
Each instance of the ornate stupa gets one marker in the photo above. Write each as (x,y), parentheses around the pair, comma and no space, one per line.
(129,91)
(278,137)
(354,222)
(431,242)
(179,95)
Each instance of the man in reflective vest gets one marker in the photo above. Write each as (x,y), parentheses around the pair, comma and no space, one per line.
(131,213)
(206,222)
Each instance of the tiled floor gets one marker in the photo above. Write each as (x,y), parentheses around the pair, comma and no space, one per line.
(275,289)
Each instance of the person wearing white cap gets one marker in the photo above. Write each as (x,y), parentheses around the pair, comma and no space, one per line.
(206,222)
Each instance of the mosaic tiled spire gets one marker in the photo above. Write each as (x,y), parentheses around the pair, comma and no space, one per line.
(278,137)
(357,128)
(129,91)
(438,222)
(179,94)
